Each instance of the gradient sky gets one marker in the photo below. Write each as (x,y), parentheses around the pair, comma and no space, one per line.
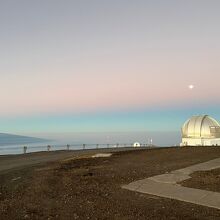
(116,65)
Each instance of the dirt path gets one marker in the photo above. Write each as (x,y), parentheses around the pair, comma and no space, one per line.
(17,161)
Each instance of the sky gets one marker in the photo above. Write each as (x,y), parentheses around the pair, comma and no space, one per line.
(107,65)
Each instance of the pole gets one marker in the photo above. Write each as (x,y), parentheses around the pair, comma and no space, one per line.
(48,148)
(25,149)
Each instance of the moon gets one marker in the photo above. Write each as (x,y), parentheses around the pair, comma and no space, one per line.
(191,87)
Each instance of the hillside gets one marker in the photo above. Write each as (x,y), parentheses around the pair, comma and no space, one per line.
(10,139)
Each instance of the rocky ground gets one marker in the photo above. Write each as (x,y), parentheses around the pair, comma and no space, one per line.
(206,180)
(90,188)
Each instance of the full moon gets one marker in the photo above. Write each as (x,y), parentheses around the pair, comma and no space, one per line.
(191,87)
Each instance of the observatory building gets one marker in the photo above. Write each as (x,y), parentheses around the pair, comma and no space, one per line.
(201,130)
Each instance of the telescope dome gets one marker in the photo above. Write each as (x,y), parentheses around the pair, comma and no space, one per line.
(202,126)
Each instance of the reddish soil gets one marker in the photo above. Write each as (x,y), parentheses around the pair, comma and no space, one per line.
(90,188)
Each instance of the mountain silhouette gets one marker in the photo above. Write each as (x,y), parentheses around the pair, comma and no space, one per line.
(11,139)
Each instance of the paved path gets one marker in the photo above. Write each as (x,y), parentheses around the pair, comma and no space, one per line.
(165,185)
(11,162)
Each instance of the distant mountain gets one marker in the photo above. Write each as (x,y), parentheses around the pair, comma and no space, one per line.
(10,139)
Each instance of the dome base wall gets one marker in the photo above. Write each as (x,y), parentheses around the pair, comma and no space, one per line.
(200,142)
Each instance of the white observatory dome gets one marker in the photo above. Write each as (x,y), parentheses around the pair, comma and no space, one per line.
(202,126)
(136,144)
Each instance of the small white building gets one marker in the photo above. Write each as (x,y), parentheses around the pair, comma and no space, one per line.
(136,144)
(201,130)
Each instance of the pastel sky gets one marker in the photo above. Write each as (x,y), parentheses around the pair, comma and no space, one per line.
(107,65)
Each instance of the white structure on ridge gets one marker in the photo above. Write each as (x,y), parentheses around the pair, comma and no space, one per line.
(136,144)
(201,130)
